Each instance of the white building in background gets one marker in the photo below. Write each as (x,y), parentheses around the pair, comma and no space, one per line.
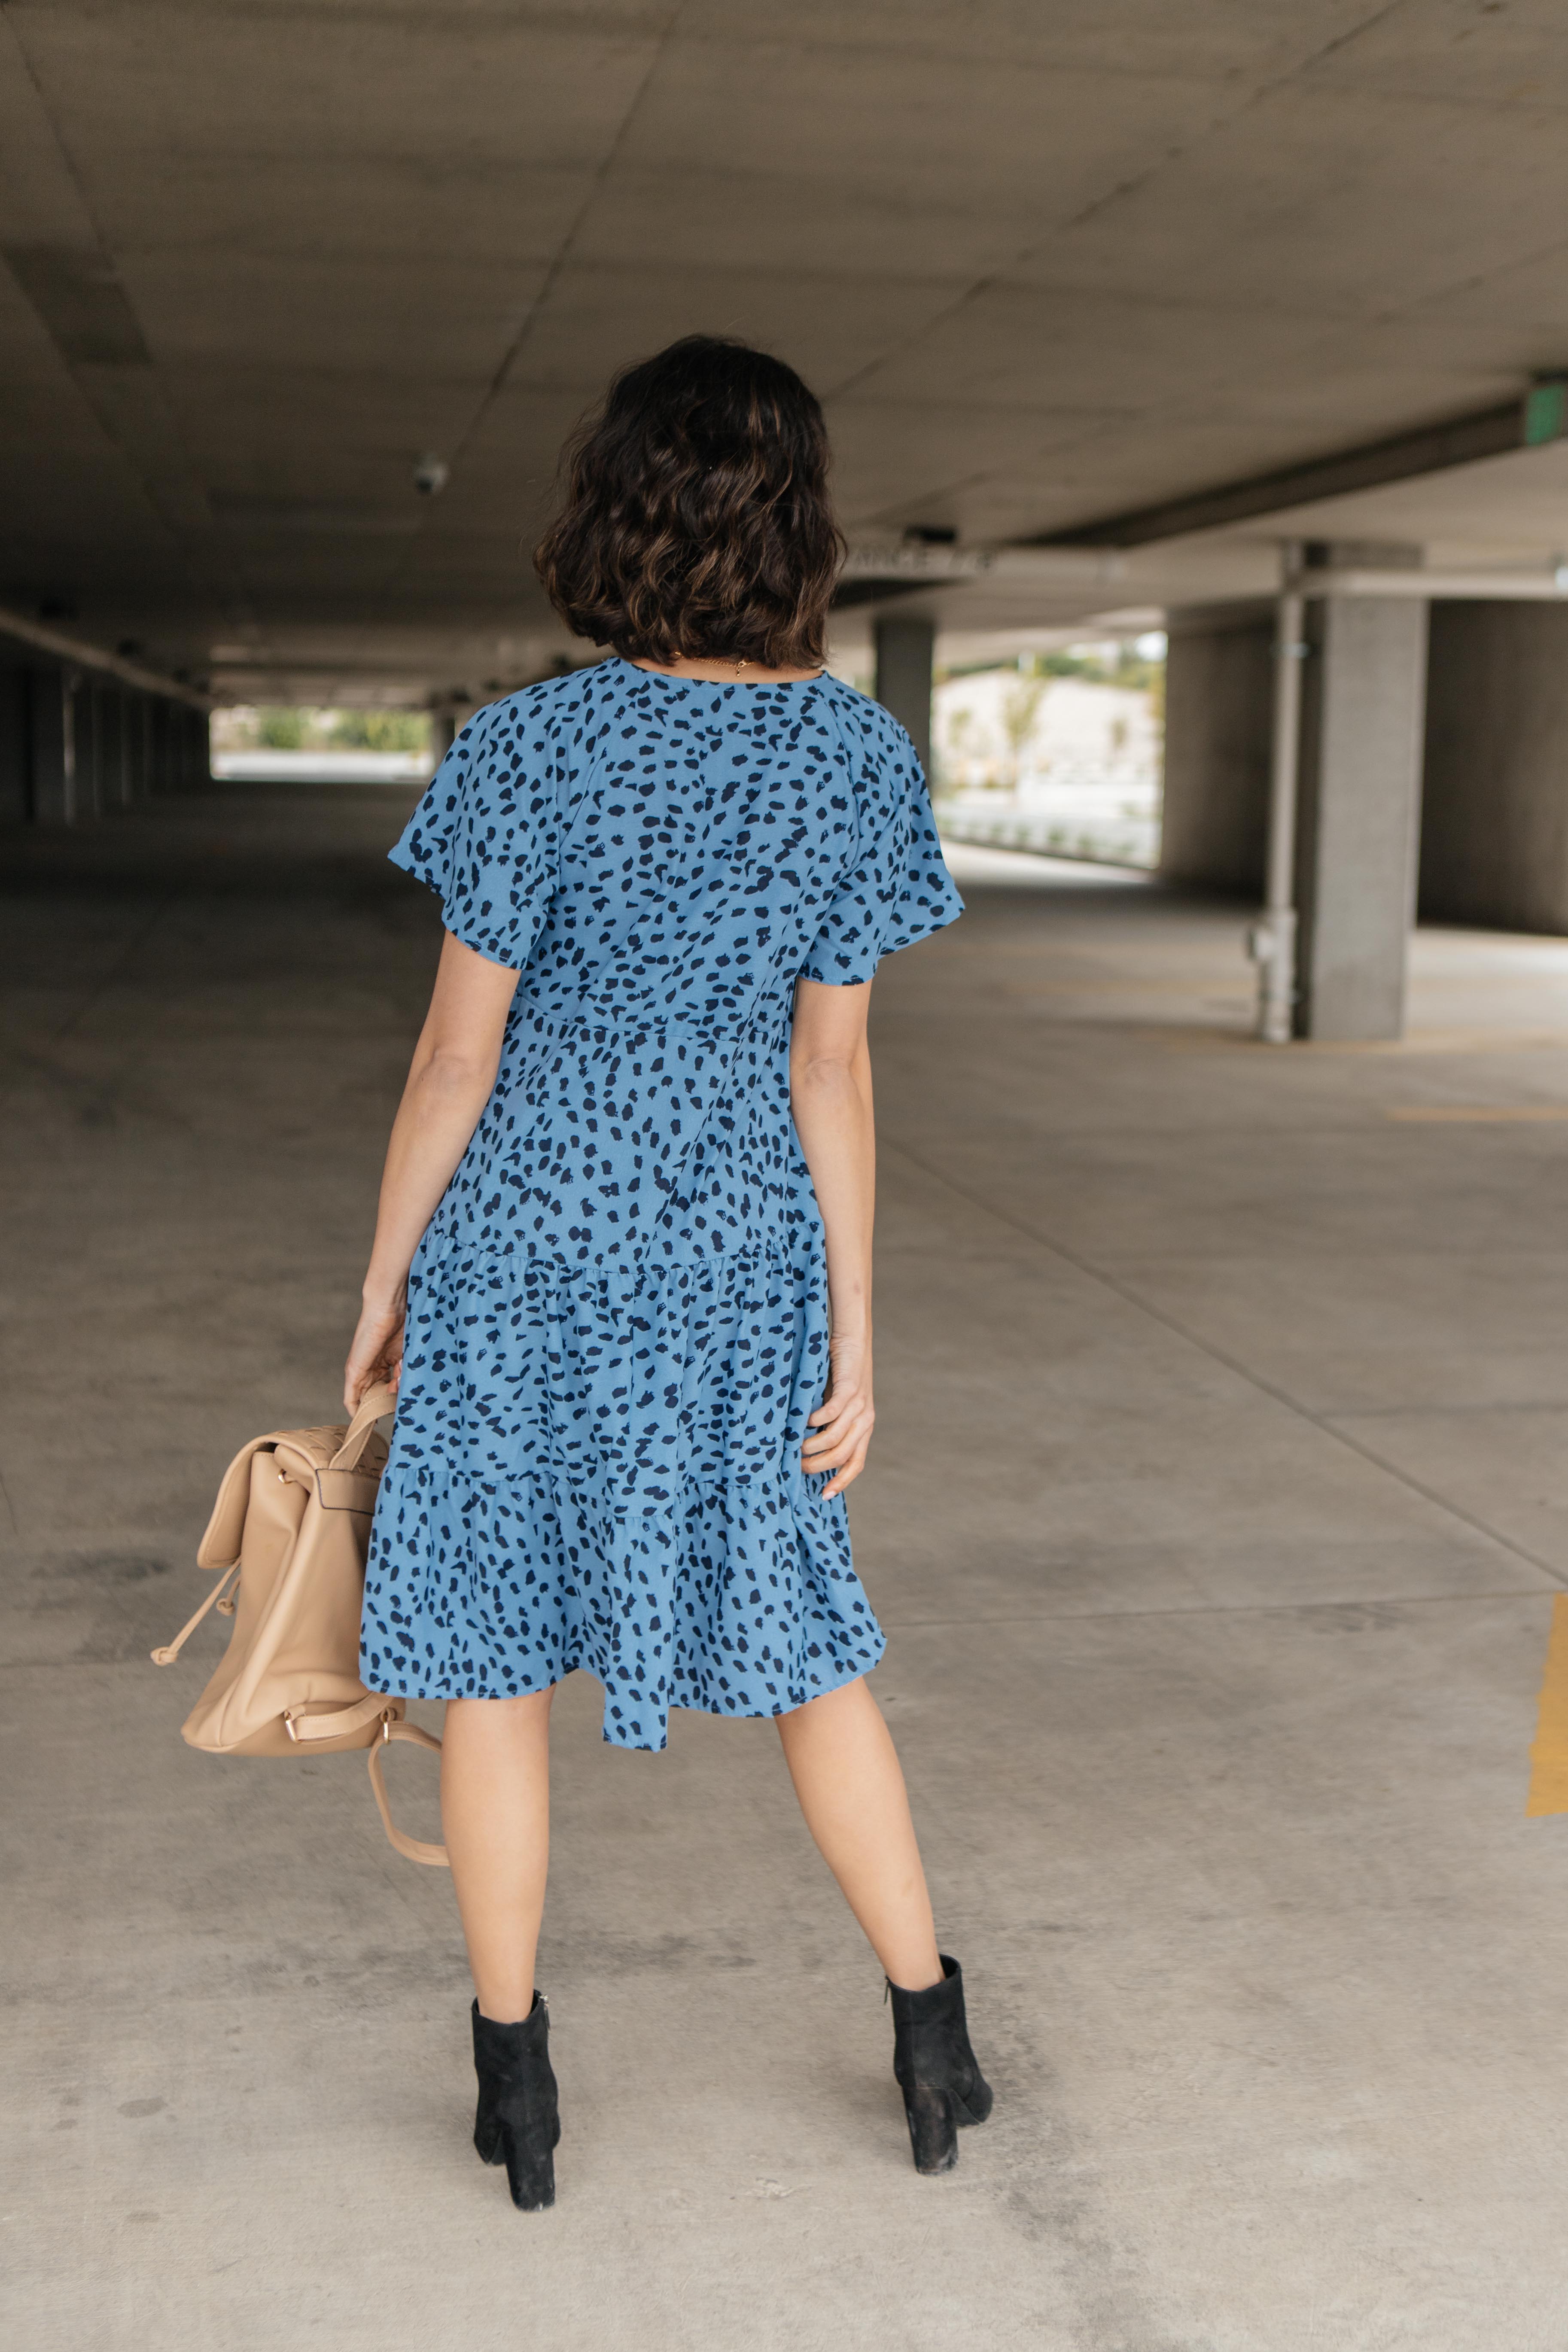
(1066,765)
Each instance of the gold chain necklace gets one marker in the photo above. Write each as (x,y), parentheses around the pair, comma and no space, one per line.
(726,658)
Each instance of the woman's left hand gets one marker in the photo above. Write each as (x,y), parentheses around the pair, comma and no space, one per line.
(377,1350)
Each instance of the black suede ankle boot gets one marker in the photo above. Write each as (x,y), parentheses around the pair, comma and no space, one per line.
(936,2069)
(518,2122)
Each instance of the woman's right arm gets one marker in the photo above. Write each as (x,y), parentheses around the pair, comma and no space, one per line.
(830,1096)
(449,1082)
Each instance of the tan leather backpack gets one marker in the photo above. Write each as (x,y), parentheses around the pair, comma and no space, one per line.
(288,1537)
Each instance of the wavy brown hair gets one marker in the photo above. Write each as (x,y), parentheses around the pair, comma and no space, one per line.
(696,517)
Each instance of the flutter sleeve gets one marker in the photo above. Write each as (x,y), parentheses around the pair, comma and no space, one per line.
(483,838)
(898,889)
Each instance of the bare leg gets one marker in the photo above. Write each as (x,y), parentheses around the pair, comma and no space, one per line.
(845,1771)
(495,1810)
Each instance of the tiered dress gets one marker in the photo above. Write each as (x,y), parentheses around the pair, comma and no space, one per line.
(617,1319)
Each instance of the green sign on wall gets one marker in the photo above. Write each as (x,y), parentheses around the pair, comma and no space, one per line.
(1546,411)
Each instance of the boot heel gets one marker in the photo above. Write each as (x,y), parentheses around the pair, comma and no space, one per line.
(530,2170)
(933,2127)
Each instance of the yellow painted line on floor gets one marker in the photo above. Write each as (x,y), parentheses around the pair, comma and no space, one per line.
(1549,1753)
(1482,1114)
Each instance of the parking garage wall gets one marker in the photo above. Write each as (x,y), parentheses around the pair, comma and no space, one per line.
(77,743)
(1494,841)
(1494,799)
(1219,701)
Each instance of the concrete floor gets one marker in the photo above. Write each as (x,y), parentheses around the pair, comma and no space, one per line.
(1217,1510)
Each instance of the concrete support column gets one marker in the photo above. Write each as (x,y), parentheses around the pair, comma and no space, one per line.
(1219,696)
(182,748)
(161,748)
(905,650)
(1494,827)
(197,736)
(443,735)
(1363,720)
(113,786)
(131,787)
(52,713)
(15,748)
(84,718)
(133,746)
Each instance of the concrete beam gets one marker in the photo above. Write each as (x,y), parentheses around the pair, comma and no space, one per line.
(1431,449)
(83,655)
(1544,587)
(883,567)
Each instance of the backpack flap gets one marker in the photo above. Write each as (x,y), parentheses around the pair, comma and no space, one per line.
(219,1548)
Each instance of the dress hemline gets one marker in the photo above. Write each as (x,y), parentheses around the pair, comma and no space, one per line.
(433,1691)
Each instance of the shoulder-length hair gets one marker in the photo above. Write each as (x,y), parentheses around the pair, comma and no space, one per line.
(696,517)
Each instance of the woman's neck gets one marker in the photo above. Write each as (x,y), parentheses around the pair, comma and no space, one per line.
(718,671)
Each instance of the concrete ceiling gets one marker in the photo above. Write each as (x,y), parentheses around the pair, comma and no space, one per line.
(1044,262)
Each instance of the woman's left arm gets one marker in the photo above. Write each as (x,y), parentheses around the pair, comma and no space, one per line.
(449,1082)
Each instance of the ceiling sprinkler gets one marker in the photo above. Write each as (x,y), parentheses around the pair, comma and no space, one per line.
(430,475)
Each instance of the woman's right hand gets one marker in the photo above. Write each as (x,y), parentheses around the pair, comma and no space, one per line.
(449,1082)
(377,1353)
(840,1431)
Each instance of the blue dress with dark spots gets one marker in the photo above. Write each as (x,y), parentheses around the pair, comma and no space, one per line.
(617,1319)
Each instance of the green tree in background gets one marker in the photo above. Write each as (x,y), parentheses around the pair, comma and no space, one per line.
(1157,699)
(381,731)
(282,730)
(1018,710)
(276,730)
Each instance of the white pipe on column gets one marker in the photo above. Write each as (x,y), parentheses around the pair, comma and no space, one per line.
(1272,942)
